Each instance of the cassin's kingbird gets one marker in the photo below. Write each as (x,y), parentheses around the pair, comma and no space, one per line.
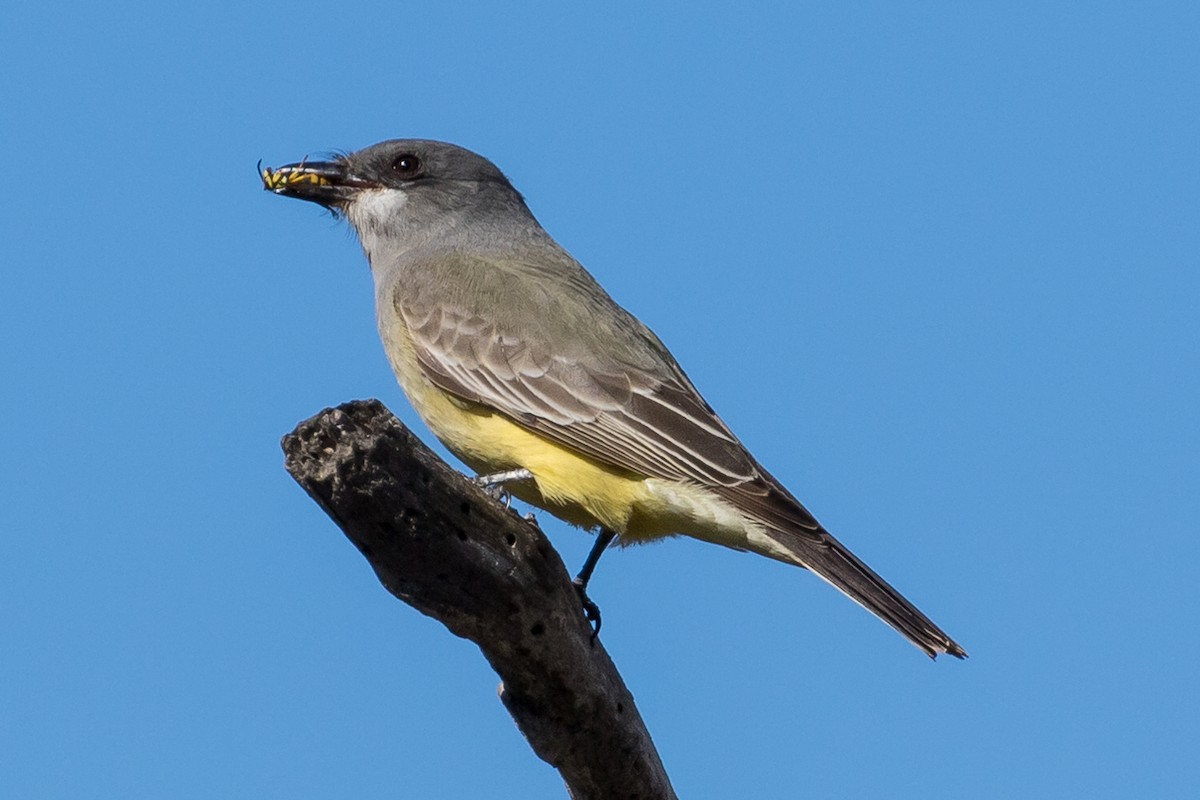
(520,362)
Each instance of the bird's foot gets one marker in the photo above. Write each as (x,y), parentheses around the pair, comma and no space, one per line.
(497,492)
(493,483)
(590,609)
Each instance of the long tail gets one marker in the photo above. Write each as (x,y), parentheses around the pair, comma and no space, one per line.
(820,552)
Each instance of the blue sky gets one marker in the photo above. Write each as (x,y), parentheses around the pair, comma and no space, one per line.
(937,267)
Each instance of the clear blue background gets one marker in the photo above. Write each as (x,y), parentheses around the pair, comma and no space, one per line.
(937,267)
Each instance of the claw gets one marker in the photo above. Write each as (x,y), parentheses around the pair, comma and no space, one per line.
(497,492)
(590,609)
(493,483)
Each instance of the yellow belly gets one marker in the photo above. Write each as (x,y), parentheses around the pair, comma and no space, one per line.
(570,486)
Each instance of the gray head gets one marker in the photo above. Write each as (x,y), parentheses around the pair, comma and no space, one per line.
(403,192)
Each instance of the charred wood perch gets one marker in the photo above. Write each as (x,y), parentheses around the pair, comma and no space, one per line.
(440,543)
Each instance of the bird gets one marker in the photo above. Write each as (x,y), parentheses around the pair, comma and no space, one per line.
(525,368)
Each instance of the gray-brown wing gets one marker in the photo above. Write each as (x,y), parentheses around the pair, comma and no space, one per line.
(617,397)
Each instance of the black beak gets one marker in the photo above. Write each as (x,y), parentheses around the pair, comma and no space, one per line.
(329,183)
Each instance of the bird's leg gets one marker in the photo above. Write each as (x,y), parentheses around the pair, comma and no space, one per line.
(497,478)
(493,483)
(590,609)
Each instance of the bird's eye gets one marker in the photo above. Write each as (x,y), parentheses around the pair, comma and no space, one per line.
(407,165)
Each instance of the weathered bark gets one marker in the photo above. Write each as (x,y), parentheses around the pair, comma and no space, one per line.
(438,542)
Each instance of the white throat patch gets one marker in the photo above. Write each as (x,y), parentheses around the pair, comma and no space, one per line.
(373,208)
(374,214)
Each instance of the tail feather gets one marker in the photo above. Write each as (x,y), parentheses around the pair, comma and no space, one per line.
(820,552)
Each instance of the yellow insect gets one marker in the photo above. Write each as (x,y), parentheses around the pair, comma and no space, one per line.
(288,177)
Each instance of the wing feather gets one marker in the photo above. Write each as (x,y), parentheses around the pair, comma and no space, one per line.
(652,423)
